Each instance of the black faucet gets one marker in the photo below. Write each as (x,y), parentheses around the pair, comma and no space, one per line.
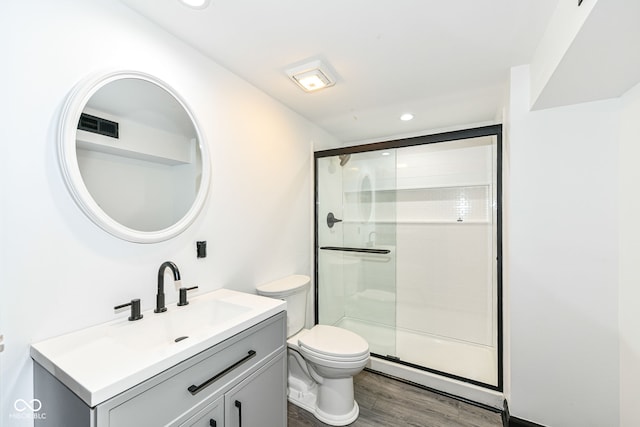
(160,307)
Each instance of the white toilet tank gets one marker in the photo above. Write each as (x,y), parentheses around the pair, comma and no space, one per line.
(292,289)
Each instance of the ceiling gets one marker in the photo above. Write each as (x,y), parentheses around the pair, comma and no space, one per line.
(447,62)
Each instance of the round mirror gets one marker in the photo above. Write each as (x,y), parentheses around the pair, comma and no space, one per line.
(133,156)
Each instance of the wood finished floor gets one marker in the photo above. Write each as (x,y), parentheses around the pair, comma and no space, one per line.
(385,402)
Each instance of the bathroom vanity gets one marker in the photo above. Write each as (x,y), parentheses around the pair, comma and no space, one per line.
(230,370)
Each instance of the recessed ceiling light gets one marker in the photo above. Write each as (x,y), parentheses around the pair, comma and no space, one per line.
(312,76)
(195,4)
(406,117)
(385,153)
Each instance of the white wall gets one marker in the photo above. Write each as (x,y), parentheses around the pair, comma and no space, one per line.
(629,292)
(562,259)
(562,29)
(60,272)
(588,53)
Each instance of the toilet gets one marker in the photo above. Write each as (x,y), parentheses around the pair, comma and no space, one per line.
(322,360)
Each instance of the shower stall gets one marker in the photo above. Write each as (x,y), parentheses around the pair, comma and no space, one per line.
(408,252)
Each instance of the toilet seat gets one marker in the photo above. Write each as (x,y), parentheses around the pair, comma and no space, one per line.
(333,344)
(336,363)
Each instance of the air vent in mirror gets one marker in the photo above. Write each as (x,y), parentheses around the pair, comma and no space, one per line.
(98,125)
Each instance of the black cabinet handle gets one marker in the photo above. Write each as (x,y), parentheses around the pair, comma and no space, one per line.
(239,406)
(212,422)
(195,389)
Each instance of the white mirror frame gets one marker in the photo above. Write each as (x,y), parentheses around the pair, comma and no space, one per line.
(70,114)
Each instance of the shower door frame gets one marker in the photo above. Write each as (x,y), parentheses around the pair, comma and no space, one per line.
(491,130)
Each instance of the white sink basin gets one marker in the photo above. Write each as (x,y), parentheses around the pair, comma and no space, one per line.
(99,362)
(192,321)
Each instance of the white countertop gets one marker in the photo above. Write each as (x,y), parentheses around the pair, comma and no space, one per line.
(102,361)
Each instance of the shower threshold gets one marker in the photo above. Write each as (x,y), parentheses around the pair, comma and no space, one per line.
(460,359)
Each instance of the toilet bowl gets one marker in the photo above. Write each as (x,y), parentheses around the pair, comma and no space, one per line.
(322,360)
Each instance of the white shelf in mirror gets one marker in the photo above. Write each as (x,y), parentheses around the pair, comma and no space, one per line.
(104,144)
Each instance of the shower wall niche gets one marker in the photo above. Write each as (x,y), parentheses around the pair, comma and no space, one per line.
(413,266)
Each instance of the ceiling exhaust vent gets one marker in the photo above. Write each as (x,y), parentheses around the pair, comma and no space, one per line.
(312,76)
(98,125)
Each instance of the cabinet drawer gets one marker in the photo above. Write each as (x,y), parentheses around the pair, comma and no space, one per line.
(175,395)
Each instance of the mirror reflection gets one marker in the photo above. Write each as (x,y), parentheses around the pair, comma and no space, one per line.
(138,154)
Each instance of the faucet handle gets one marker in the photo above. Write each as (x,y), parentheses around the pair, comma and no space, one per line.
(135,309)
(183,295)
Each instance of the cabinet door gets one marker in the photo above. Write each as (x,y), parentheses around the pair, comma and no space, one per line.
(260,400)
(211,416)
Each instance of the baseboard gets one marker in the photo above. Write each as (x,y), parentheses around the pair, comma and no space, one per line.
(509,421)
(505,414)
(518,422)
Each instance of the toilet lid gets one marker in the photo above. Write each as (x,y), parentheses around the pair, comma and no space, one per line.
(332,341)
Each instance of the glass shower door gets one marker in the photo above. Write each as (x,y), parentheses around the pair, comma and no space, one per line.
(446,313)
(408,253)
(356,244)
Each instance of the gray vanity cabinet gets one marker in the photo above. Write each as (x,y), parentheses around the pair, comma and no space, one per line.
(211,416)
(257,401)
(240,382)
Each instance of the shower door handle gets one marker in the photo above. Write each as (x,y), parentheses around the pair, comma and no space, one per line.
(331,219)
(361,250)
